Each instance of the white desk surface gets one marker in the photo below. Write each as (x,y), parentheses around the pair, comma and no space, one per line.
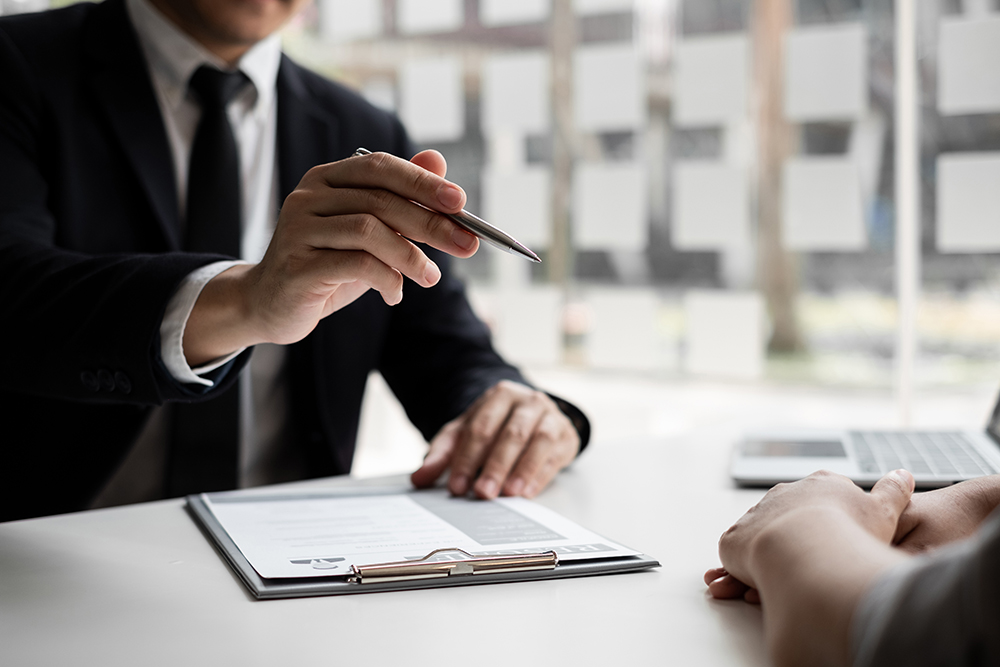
(141,585)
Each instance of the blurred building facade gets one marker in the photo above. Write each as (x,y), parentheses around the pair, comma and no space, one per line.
(710,183)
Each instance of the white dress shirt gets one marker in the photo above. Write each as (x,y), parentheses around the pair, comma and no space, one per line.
(172,57)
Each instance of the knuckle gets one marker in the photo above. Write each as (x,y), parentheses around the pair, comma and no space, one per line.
(496,468)
(547,470)
(379,163)
(366,227)
(535,397)
(547,432)
(413,256)
(366,264)
(896,482)
(463,464)
(315,173)
(505,385)
(515,389)
(558,426)
(548,459)
(296,199)
(376,200)
(420,179)
(436,224)
(460,460)
(479,432)
(517,431)
(529,469)
(554,458)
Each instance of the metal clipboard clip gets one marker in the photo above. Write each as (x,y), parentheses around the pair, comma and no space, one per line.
(425,568)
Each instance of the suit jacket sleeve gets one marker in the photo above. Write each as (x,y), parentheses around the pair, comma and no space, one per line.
(67,314)
(941,609)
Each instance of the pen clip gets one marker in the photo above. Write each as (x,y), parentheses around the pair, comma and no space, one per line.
(425,568)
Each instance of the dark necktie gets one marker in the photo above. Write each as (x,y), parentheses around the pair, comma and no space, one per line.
(204,453)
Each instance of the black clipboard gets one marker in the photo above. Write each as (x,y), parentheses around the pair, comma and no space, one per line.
(469,572)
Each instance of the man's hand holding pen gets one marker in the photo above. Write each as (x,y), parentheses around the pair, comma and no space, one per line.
(348,227)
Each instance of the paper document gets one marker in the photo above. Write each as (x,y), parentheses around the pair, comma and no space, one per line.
(323,534)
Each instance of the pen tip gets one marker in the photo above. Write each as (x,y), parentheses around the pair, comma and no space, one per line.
(527,253)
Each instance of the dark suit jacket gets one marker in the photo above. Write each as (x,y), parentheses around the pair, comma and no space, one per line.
(90,255)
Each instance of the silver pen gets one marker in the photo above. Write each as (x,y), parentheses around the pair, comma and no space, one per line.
(482,229)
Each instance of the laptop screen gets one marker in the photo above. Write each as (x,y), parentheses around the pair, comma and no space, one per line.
(993,427)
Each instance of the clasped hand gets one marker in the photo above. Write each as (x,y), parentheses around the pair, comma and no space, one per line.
(892,513)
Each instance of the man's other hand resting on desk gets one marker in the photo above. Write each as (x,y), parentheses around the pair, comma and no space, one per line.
(833,569)
(517,438)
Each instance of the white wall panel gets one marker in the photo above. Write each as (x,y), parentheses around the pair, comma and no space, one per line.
(826,73)
(512,12)
(429,16)
(821,205)
(432,99)
(610,208)
(516,93)
(711,207)
(711,80)
(968,202)
(608,88)
(968,77)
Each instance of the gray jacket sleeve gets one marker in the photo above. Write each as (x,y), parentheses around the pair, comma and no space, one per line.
(941,609)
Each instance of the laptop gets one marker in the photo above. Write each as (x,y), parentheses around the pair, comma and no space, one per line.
(936,458)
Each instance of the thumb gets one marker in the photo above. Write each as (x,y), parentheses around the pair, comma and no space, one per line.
(438,456)
(893,493)
(432,161)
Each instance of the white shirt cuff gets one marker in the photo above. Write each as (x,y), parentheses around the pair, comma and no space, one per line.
(175,320)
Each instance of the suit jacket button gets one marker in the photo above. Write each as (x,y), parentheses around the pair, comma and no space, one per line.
(106,379)
(89,381)
(124,384)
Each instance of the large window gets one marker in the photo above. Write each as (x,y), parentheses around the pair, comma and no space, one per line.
(711,183)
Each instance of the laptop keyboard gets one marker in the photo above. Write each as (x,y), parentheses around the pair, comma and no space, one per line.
(922,453)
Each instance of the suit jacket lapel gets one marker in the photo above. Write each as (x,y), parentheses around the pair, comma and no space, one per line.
(122,86)
(307,134)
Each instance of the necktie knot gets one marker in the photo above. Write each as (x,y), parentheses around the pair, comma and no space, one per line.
(216,88)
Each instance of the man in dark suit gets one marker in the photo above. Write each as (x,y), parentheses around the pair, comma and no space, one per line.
(108,313)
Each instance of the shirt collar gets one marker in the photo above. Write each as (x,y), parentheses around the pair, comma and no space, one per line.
(174,56)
